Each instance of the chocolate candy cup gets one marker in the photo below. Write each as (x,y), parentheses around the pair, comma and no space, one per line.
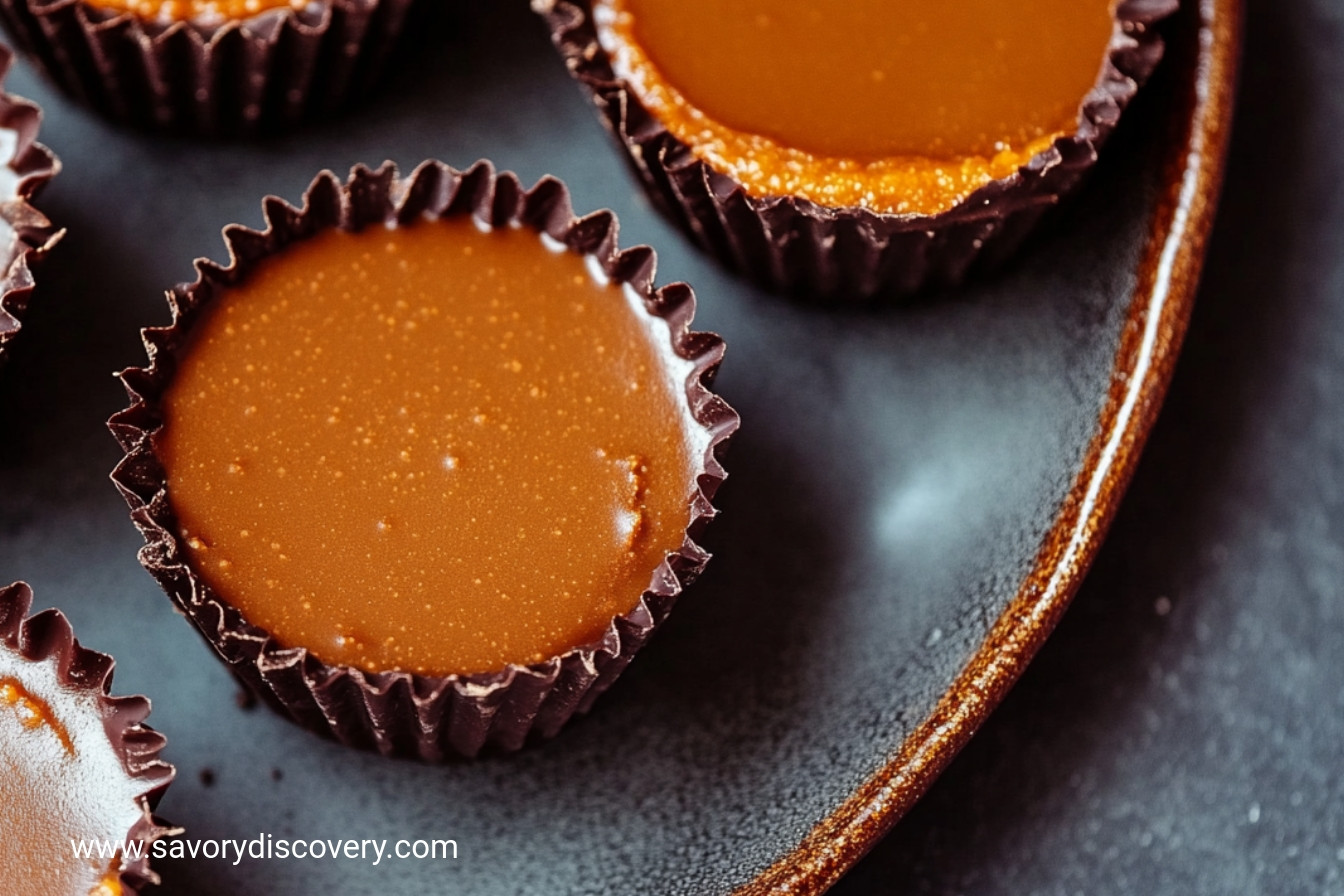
(398,713)
(853,255)
(48,639)
(29,235)
(247,75)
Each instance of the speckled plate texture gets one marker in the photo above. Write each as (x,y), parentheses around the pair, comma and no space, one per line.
(916,494)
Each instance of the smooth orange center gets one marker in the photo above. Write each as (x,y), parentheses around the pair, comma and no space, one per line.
(429,448)
(900,107)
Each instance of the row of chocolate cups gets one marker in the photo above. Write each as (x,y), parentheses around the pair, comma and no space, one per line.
(426,716)
(204,68)
(430,716)
(64,740)
(785,242)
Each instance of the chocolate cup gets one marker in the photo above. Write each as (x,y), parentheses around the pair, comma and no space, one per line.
(399,713)
(244,76)
(852,255)
(31,234)
(48,638)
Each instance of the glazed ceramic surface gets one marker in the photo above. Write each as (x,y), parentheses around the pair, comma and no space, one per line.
(913,492)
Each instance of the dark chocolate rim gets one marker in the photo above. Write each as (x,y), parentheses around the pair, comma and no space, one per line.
(47,637)
(851,253)
(240,76)
(398,713)
(34,235)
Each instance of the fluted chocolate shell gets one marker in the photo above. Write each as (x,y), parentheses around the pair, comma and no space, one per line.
(256,74)
(398,713)
(48,638)
(852,255)
(27,235)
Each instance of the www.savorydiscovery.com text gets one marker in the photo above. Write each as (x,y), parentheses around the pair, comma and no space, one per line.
(266,847)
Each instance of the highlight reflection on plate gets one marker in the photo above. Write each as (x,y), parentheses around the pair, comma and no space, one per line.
(913,497)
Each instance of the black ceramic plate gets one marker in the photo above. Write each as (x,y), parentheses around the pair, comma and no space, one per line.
(914,496)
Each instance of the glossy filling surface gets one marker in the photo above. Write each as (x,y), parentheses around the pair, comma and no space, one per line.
(898,107)
(430,448)
(60,780)
(208,11)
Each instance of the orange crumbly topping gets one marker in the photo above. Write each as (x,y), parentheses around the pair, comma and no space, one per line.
(186,10)
(31,711)
(790,99)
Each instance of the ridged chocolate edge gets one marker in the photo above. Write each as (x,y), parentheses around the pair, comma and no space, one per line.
(258,74)
(853,255)
(48,637)
(398,713)
(34,235)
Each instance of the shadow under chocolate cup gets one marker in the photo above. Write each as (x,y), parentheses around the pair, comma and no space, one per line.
(25,233)
(82,765)
(212,76)
(851,254)
(427,716)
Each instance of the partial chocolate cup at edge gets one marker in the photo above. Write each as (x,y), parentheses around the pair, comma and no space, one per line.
(255,74)
(47,637)
(853,255)
(26,235)
(398,713)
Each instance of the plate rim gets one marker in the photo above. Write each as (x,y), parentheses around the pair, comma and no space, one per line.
(1155,325)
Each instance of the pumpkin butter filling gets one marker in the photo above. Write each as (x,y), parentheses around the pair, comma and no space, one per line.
(900,108)
(433,448)
(196,10)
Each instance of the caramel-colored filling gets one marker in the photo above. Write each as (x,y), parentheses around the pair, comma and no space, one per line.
(432,448)
(203,10)
(902,108)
